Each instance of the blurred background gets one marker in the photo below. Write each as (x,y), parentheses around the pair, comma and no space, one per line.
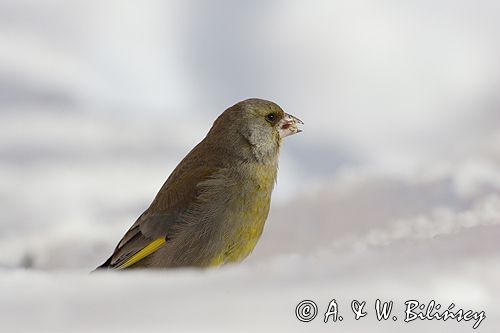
(392,189)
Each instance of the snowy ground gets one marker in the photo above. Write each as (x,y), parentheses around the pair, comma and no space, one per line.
(392,191)
(254,297)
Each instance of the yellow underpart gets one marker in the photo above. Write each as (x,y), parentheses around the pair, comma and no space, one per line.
(143,253)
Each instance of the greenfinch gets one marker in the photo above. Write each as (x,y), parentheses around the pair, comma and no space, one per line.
(212,208)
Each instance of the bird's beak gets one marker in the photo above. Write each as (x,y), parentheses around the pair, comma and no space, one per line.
(288,125)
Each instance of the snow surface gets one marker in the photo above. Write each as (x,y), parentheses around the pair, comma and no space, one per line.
(253,297)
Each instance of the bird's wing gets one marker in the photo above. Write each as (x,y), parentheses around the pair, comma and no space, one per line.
(162,219)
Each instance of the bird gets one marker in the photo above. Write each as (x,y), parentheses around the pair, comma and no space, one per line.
(212,208)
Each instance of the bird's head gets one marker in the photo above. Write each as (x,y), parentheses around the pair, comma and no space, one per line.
(258,125)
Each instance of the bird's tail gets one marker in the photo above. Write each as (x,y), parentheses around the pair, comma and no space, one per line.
(105,266)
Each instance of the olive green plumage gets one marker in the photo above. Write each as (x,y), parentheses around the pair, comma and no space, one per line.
(212,208)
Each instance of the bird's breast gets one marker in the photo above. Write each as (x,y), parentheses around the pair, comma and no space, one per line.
(247,212)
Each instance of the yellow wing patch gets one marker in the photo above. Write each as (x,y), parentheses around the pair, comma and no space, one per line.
(143,253)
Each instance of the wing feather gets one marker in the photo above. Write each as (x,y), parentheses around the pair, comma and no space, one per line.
(151,248)
(163,218)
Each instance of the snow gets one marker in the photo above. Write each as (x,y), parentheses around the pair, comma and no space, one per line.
(250,297)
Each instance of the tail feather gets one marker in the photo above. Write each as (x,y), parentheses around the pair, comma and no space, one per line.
(105,266)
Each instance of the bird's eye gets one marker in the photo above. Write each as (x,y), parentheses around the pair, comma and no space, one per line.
(271,117)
